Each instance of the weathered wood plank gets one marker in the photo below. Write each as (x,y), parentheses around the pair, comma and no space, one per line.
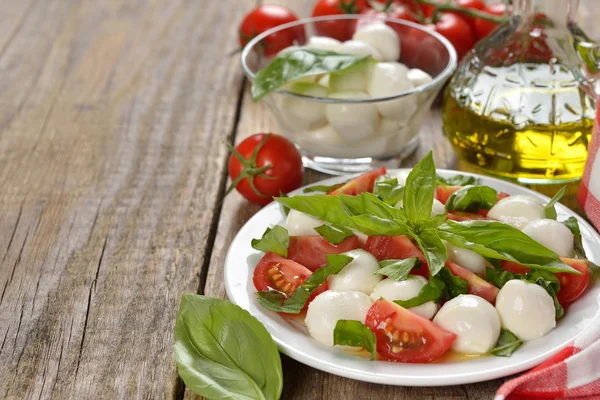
(113,117)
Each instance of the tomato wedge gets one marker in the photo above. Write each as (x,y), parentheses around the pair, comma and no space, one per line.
(396,248)
(404,336)
(459,216)
(571,285)
(361,184)
(443,192)
(476,285)
(311,251)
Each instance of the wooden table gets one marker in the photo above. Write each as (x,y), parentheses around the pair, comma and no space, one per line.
(113,122)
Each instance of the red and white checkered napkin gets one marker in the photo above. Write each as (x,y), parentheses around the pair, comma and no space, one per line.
(573,373)
(589,190)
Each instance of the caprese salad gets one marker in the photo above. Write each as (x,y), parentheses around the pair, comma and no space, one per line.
(409,266)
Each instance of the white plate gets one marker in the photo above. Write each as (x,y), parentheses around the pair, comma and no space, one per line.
(293,340)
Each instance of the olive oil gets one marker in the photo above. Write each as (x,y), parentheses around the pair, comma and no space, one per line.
(528,121)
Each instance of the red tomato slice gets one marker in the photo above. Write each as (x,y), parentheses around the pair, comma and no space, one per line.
(396,248)
(443,192)
(311,251)
(459,216)
(571,286)
(476,285)
(361,184)
(404,336)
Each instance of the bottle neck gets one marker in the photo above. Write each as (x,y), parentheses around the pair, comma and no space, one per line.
(558,11)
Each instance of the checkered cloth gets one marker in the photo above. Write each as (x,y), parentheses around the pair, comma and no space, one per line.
(589,190)
(573,373)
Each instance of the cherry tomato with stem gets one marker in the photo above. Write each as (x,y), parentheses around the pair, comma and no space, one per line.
(337,29)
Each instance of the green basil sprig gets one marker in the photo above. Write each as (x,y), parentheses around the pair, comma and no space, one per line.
(388,189)
(223,352)
(472,198)
(334,234)
(507,343)
(274,239)
(457,180)
(299,63)
(549,209)
(355,333)
(324,188)
(397,270)
(444,286)
(419,191)
(276,301)
(501,241)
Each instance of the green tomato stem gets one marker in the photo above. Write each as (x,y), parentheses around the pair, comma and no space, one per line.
(448,6)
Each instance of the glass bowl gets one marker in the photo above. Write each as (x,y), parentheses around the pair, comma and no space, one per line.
(366,132)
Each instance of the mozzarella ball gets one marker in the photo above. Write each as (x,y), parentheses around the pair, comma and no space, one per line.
(402,176)
(358,275)
(388,127)
(473,320)
(352,79)
(324,43)
(304,113)
(383,38)
(418,77)
(361,49)
(388,79)
(437,208)
(466,258)
(329,307)
(517,211)
(353,121)
(552,234)
(391,290)
(300,224)
(526,309)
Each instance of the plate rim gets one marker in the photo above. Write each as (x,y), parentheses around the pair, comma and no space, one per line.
(400,380)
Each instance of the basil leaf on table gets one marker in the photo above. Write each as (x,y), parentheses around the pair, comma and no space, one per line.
(274,239)
(457,180)
(299,63)
(549,208)
(501,241)
(419,190)
(507,343)
(276,301)
(388,190)
(223,352)
(355,333)
(472,198)
(324,188)
(397,270)
(334,234)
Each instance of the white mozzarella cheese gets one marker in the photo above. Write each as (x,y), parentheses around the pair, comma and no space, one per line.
(517,211)
(383,38)
(329,307)
(391,290)
(351,80)
(300,224)
(304,113)
(552,234)
(324,43)
(466,258)
(388,79)
(418,77)
(526,309)
(352,121)
(437,208)
(473,320)
(358,275)
(358,48)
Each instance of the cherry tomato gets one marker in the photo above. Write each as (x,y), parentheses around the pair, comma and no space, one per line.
(443,192)
(476,285)
(571,285)
(257,153)
(340,29)
(274,272)
(396,248)
(484,27)
(404,336)
(457,31)
(268,16)
(361,184)
(470,4)
(311,251)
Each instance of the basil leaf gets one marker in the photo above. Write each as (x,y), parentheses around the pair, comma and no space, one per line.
(455,285)
(432,248)
(324,188)
(388,190)
(432,291)
(435,221)
(457,180)
(274,239)
(223,352)
(355,333)
(499,278)
(501,241)
(550,279)
(578,249)
(286,210)
(334,234)
(549,208)
(276,301)
(298,63)
(507,343)
(549,287)
(397,270)
(419,190)
(472,199)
